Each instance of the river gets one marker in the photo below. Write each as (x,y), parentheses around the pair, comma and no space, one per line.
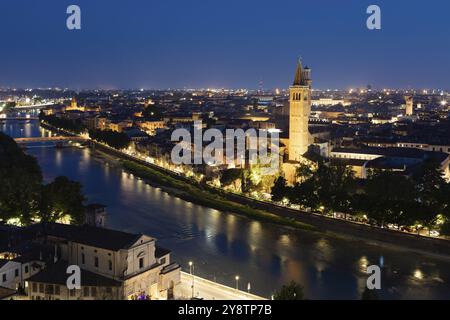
(223,245)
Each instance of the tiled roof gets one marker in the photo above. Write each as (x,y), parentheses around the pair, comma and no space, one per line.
(57,274)
(88,235)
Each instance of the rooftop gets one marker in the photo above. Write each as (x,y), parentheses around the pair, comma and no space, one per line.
(395,152)
(57,274)
(88,235)
(6,293)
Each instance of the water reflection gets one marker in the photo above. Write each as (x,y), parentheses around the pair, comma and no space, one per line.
(223,245)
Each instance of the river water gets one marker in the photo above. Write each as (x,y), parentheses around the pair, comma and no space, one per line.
(223,245)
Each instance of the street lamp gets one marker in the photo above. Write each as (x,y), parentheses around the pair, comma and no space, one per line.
(248,287)
(191,271)
(237,282)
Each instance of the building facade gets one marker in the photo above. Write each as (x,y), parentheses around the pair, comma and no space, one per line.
(300,109)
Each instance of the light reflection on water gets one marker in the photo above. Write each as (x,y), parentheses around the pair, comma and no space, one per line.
(223,245)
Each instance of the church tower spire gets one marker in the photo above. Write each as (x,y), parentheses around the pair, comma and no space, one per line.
(299,111)
(298,73)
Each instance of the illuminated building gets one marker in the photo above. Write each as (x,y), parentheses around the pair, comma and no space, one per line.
(300,108)
(409,106)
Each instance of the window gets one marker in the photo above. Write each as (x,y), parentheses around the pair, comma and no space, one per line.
(49,289)
(57,290)
(34,287)
(41,288)
(72,292)
(83,260)
(109,290)
(4,277)
(26,269)
(163,260)
(110,265)
(16,273)
(96,262)
(86,291)
(93,291)
(141,263)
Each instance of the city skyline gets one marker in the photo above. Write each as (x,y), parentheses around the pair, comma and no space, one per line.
(249,45)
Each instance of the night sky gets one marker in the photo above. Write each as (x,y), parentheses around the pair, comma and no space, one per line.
(217,43)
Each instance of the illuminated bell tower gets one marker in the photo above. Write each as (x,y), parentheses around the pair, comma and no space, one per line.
(73,103)
(299,111)
(409,106)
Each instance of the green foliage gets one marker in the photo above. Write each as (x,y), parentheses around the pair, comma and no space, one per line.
(335,184)
(75,126)
(23,195)
(305,194)
(386,197)
(279,189)
(230,177)
(293,291)
(304,172)
(445,228)
(190,192)
(431,191)
(118,140)
(60,198)
(389,198)
(21,181)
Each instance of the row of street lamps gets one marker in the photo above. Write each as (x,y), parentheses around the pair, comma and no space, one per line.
(191,272)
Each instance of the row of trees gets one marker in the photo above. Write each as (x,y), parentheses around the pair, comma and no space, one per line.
(75,126)
(118,140)
(385,197)
(248,180)
(23,195)
(114,139)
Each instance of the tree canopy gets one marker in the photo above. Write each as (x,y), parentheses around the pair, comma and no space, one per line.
(24,196)
(385,197)
(118,140)
(292,291)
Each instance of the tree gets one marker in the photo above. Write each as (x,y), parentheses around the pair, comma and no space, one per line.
(293,291)
(431,193)
(304,172)
(62,198)
(305,194)
(445,228)
(279,189)
(23,195)
(334,184)
(76,125)
(389,198)
(117,140)
(21,180)
(230,177)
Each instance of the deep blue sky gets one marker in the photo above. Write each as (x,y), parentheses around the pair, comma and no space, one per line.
(218,43)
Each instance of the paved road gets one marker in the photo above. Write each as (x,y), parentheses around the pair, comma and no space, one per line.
(209,290)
